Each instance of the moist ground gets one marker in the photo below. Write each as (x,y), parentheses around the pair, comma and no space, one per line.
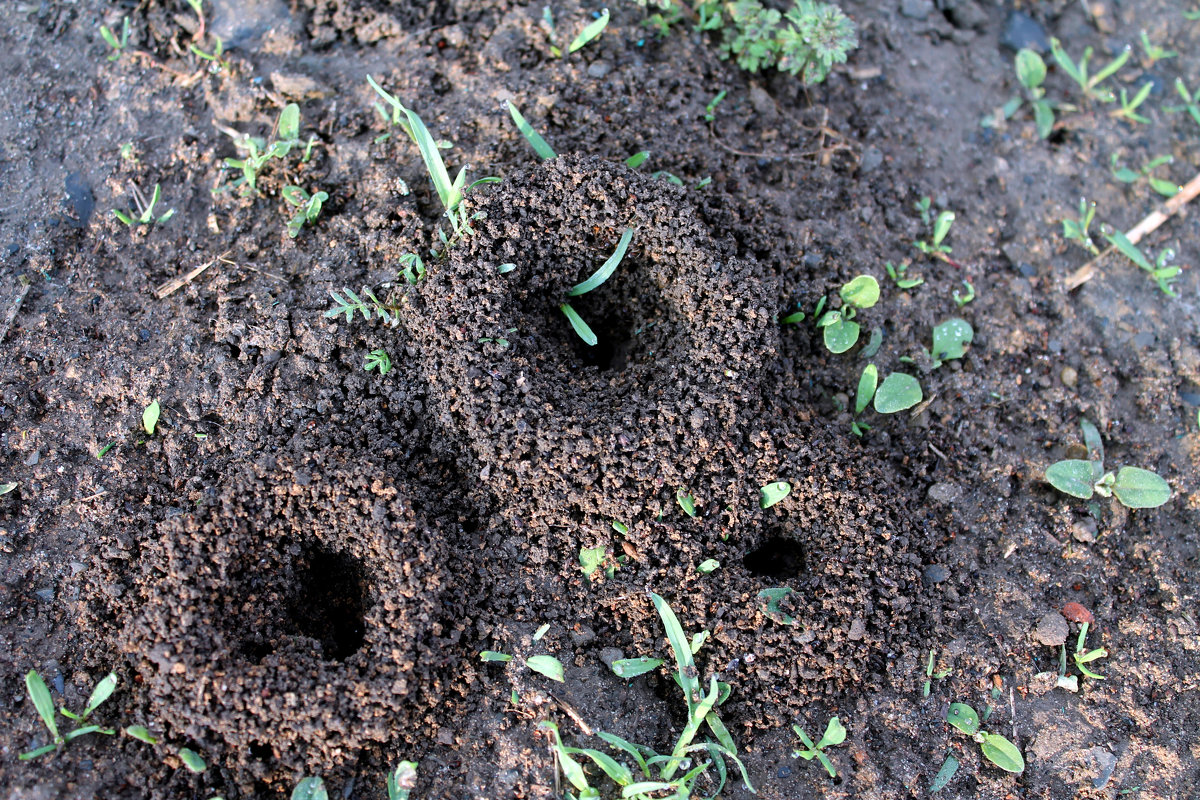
(444,505)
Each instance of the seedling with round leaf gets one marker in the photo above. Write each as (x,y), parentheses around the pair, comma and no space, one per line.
(995,748)
(1133,487)
(839,330)
(950,341)
(835,734)
(1031,74)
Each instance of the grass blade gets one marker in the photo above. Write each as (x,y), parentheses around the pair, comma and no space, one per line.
(539,145)
(1120,241)
(106,687)
(593,30)
(585,332)
(688,677)
(40,695)
(606,270)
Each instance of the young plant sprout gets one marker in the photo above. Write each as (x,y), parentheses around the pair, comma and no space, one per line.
(834,735)
(144,215)
(378,360)
(1089,85)
(39,693)
(1031,73)
(1133,487)
(941,227)
(1125,175)
(897,274)
(950,340)
(118,45)
(258,154)
(1164,274)
(597,278)
(539,145)
(309,205)
(840,331)
(1191,102)
(1077,230)
(995,748)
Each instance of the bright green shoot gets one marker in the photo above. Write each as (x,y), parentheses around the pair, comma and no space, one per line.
(402,780)
(1083,657)
(144,215)
(258,154)
(1153,52)
(839,329)
(931,676)
(941,227)
(539,145)
(897,274)
(1191,102)
(1077,230)
(1133,487)
(309,205)
(995,748)
(710,110)
(1128,108)
(1125,175)
(378,360)
(834,735)
(118,45)
(39,693)
(351,304)
(1031,73)
(594,281)
(1164,274)
(590,32)
(1089,85)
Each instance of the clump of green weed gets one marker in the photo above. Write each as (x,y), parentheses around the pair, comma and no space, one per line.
(594,281)
(309,208)
(834,735)
(39,693)
(839,329)
(144,213)
(259,154)
(1133,487)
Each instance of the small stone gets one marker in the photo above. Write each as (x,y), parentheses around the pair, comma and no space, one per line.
(1022,30)
(610,654)
(945,492)
(1191,398)
(858,629)
(598,69)
(1051,630)
(33,458)
(1069,377)
(936,573)
(968,16)
(1077,613)
(872,158)
(1084,530)
(916,9)
(45,595)
(1043,683)
(1026,269)
(1106,762)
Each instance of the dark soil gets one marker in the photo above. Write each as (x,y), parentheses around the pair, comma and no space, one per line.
(294,575)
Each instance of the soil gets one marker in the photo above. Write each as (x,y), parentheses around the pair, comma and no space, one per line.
(295,574)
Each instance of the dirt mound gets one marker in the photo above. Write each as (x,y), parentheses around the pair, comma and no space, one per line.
(291,617)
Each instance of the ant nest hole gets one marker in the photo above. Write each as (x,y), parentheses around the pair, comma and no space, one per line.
(683,327)
(294,609)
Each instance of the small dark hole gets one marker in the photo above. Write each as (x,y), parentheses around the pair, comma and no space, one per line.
(330,601)
(261,752)
(613,338)
(776,558)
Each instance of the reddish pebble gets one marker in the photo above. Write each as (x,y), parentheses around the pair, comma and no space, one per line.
(1077,613)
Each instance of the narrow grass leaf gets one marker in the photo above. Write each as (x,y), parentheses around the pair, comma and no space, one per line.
(589,33)
(549,666)
(102,692)
(606,270)
(40,695)
(493,656)
(1120,241)
(688,677)
(612,768)
(582,329)
(539,145)
(949,767)
(632,749)
(570,767)
(637,159)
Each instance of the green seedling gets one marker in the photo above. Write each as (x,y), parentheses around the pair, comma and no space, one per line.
(1154,53)
(637,159)
(590,32)
(656,773)
(710,110)
(1083,656)
(150,416)
(378,360)
(897,273)
(868,382)
(1164,274)
(309,205)
(1191,102)
(1128,108)
(216,63)
(412,268)
(549,666)
(1077,230)
(1089,85)
(995,748)
(310,789)
(594,281)
(806,41)
(103,451)
(687,501)
(834,735)
(593,559)
(39,693)
(1133,487)
(772,493)
(144,215)
(944,775)
(931,676)
(258,153)
(923,208)
(967,296)
(899,391)
(662,20)
(950,340)
(632,667)
(708,566)
(192,760)
(118,45)
(936,248)
(1031,73)
(539,145)
(352,304)
(769,600)
(5,488)
(839,329)
(402,780)
(1125,175)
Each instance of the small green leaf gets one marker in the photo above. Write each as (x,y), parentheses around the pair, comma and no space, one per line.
(310,789)
(549,666)
(835,734)
(570,767)
(686,501)
(289,122)
(637,159)
(950,339)
(1140,488)
(539,145)
(1031,69)
(1091,438)
(867,383)
(772,493)
(841,335)
(1003,753)
(632,667)
(897,392)
(708,566)
(620,527)
(1072,476)
(541,631)
(492,655)
(769,600)
(949,767)
(102,692)
(5,488)
(1043,118)
(793,318)
(590,560)
(140,733)
(1120,241)
(590,32)
(606,270)
(192,760)
(963,717)
(40,695)
(941,226)
(583,330)
(862,292)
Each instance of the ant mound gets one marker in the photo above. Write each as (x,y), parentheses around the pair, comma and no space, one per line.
(565,430)
(291,617)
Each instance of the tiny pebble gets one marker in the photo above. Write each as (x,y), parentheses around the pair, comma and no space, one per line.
(1069,377)
(1077,613)
(1051,630)
(599,69)
(936,573)
(945,492)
